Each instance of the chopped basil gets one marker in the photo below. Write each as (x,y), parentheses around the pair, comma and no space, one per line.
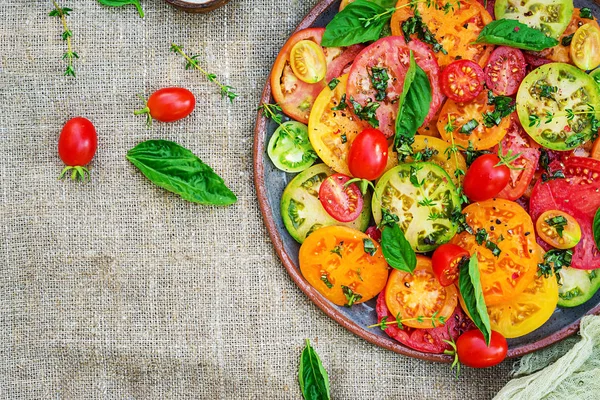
(342,104)
(325,279)
(366,113)
(586,13)
(467,128)
(559,222)
(379,80)
(369,247)
(333,83)
(351,297)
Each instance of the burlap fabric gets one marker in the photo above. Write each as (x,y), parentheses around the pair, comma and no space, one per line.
(116,289)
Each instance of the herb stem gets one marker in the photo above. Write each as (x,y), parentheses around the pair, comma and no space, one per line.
(66,35)
(271,111)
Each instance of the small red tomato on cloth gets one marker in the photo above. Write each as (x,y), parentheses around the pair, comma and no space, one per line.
(169,105)
(77,146)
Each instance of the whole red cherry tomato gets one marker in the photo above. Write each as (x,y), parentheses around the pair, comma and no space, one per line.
(473,352)
(462,80)
(168,105)
(446,261)
(485,178)
(368,154)
(77,145)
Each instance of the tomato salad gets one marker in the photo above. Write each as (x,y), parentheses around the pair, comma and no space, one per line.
(464,141)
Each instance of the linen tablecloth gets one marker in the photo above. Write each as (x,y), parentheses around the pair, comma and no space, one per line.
(117,289)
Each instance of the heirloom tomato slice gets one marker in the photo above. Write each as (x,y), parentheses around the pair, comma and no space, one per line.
(558,229)
(294,96)
(334,261)
(418,297)
(579,196)
(389,57)
(332,126)
(585,45)
(455,27)
(428,340)
(549,16)
(528,310)
(455,117)
(503,238)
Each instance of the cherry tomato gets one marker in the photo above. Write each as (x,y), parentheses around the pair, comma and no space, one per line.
(584,46)
(505,71)
(473,352)
(308,61)
(78,142)
(169,104)
(558,229)
(343,202)
(446,260)
(485,178)
(374,233)
(368,155)
(462,80)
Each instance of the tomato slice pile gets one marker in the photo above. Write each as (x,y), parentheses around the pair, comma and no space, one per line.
(504,168)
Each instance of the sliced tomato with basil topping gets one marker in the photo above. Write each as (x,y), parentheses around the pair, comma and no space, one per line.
(517,141)
(293,94)
(455,25)
(387,61)
(505,70)
(428,340)
(579,196)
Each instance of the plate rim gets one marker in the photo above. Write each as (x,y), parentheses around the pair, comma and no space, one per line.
(328,308)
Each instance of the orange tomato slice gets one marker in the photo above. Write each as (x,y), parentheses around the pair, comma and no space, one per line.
(455,25)
(418,297)
(334,261)
(509,227)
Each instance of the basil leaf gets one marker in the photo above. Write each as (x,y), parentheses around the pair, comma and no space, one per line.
(314,382)
(121,3)
(596,228)
(414,102)
(397,251)
(469,284)
(178,170)
(512,33)
(361,21)
(385,3)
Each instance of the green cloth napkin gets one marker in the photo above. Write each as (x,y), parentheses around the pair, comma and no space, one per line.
(567,370)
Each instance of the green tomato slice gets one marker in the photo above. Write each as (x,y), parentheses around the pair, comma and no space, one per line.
(289,148)
(301,209)
(577,286)
(595,74)
(549,16)
(556,104)
(423,197)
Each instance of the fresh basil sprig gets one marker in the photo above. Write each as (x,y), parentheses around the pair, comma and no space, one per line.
(513,33)
(178,170)
(414,102)
(596,228)
(397,251)
(313,378)
(121,3)
(469,284)
(361,21)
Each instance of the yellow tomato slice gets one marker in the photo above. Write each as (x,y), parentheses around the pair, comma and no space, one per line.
(308,61)
(334,261)
(558,229)
(332,131)
(509,227)
(418,297)
(585,47)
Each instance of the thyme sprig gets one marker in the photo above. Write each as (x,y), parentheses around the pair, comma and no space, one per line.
(226,91)
(436,321)
(273,111)
(67,34)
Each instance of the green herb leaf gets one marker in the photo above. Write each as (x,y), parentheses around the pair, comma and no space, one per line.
(342,105)
(397,251)
(379,80)
(586,13)
(313,379)
(414,102)
(513,33)
(469,284)
(596,229)
(333,83)
(367,112)
(361,21)
(351,297)
(415,25)
(121,3)
(369,247)
(178,170)
(566,41)
(467,128)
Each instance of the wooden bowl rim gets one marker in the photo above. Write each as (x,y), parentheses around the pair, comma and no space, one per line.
(326,306)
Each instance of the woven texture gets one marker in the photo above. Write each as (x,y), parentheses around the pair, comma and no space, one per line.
(116,289)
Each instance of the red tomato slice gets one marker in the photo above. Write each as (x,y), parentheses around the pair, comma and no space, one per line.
(505,70)
(343,202)
(462,80)
(577,195)
(393,54)
(294,96)
(425,340)
(517,141)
